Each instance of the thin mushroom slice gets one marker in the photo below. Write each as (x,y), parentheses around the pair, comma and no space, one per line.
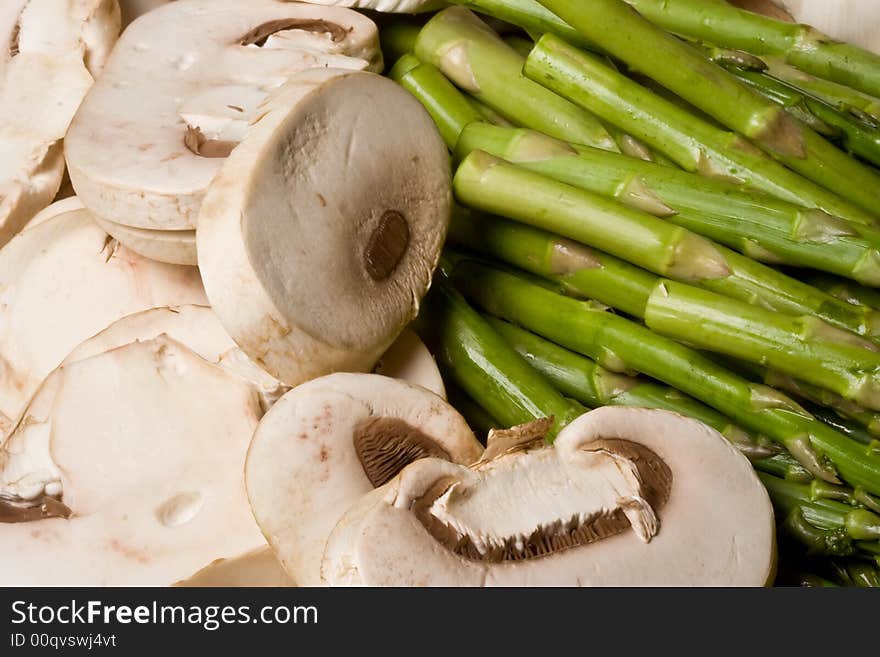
(28,472)
(61,282)
(151,482)
(624,497)
(176,247)
(49,52)
(328,442)
(257,568)
(319,236)
(179,91)
(58,207)
(409,359)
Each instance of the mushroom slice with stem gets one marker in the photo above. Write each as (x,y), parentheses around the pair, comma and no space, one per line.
(329,441)
(49,52)
(179,91)
(319,236)
(625,497)
(61,282)
(151,484)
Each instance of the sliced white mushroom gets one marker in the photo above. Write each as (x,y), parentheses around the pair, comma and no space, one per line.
(62,281)
(62,206)
(180,87)
(151,485)
(256,568)
(49,52)
(132,9)
(319,236)
(625,497)
(329,441)
(176,247)
(409,359)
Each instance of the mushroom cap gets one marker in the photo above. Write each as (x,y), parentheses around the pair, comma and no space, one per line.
(153,479)
(304,467)
(61,282)
(312,261)
(49,52)
(176,247)
(127,147)
(715,528)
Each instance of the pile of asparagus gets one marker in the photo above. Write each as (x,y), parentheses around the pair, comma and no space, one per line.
(675,207)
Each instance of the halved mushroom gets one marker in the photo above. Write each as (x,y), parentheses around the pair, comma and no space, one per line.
(625,496)
(179,89)
(62,206)
(329,441)
(176,247)
(62,281)
(49,52)
(151,486)
(319,236)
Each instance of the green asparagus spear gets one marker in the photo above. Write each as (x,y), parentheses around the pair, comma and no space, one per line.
(488,114)
(826,525)
(786,467)
(585,380)
(492,185)
(840,96)
(803,347)
(755,224)
(450,110)
(857,136)
(398,38)
(476,416)
(482,364)
(609,339)
(857,295)
(683,70)
(800,45)
(799,346)
(478,61)
(527,14)
(694,144)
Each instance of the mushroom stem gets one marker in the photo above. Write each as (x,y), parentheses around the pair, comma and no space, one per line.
(487,368)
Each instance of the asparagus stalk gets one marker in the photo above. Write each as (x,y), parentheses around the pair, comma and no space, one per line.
(857,136)
(492,185)
(591,384)
(857,295)
(482,364)
(450,110)
(398,38)
(728,26)
(693,143)
(527,14)
(799,346)
(487,113)
(476,416)
(683,70)
(478,61)
(590,330)
(840,96)
(828,526)
(759,226)
(805,347)
(786,467)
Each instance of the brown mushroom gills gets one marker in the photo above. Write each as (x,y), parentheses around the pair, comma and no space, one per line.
(41,509)
(200,145)
(258,35)
(386,445)
(654,473)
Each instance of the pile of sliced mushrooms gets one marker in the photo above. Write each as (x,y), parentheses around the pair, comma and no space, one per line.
(217,221)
